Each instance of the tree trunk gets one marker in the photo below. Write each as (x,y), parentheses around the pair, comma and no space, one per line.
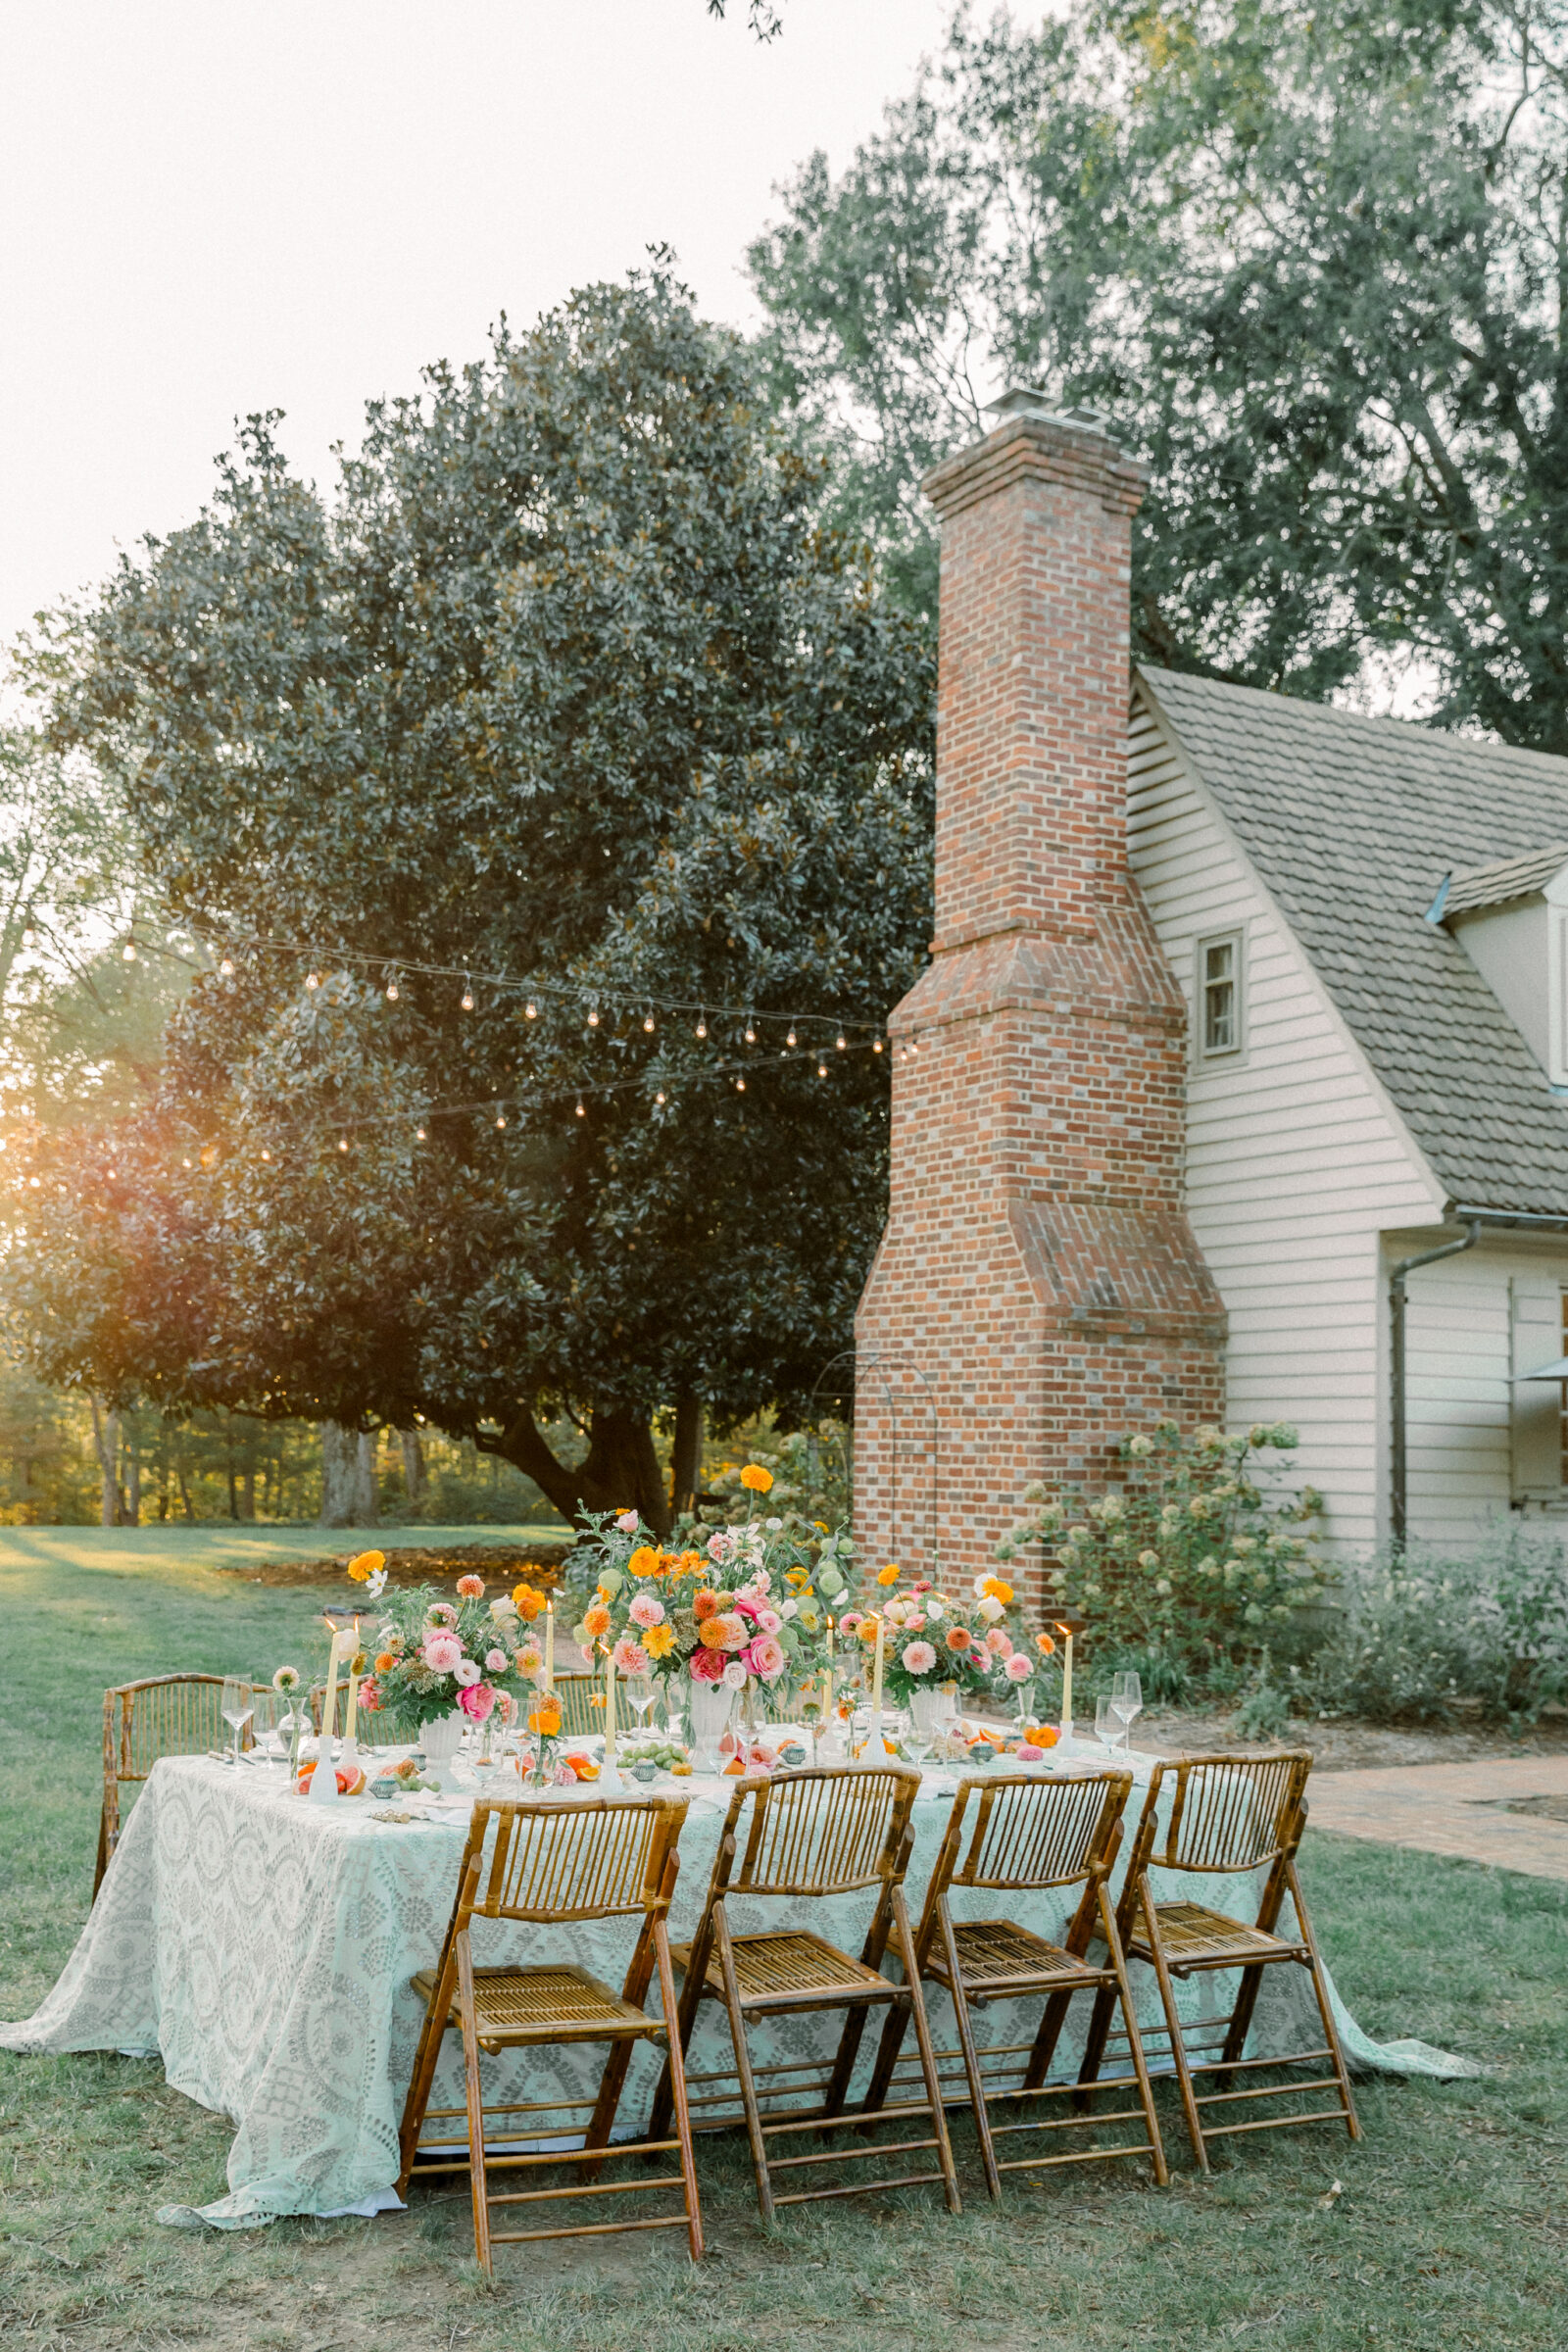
(367,1502)
(413,1464)
(620,1472)
(133,1484)
(229,1464)
(106,1445)
(686,1454)
(340,1457)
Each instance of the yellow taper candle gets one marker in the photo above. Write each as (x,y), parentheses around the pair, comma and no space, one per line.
(1065,1632)
(610,1705)
(352,1716)
(876,1673)
(550,1646)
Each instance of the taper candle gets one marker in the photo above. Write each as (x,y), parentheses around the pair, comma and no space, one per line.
(610,1705)
(876,1671)
(352,1716)
(1066,1681)
(550,1646)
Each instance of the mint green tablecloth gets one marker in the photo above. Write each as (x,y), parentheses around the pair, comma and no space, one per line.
(263,1946)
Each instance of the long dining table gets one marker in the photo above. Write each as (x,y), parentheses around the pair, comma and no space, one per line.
(263,1948)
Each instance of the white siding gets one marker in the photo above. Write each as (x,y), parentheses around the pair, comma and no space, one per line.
(1478,1436)
(1297,1166)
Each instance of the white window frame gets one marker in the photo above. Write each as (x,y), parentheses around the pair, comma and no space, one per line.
(1205,1055)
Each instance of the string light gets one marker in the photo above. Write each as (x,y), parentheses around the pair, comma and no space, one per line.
(659,1097)
(312,980)
(420,1133)
(530,1012)
(843,1044)
(342,1142)
(702,1026)
(750,1032)
(127,954)
(501,1119)
(791,1039)
(226,967)
(593,1021)
(648,1022)
(821,1069)
(392,992)
(468,996)
(740,1086)
(265,1155)
(876,1045)
(186,1164)
(581,1114)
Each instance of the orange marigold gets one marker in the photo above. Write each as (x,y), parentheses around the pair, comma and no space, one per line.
(527,1601)
(957,1637)
(545,1722)
(755,1479)
(644,1561)
(866,1630)
(888,1575)
(688,1563)
(385,1662)
(366,1564)
(711,1632)
(703,1605)
(1044,1645)
(597,1621)
(996,1590)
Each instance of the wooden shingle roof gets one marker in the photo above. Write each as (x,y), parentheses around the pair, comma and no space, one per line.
(1353,823)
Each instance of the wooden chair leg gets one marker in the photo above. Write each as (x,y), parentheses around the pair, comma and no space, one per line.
(1044,2047)
(691,1996)
(1135,2044)
(972,2056)
(1331,2035)
(675,2064)
(427,2057)
(478,2183)
(1241,2020)
(743,2063)
(1099,2035)
(1173,2025)
(905,1935)
(103,1852)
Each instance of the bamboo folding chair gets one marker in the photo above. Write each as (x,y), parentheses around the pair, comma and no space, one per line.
(169,1715)
(582,1700)
(1029,1834)
(550,1864)
(1228,1815)
(373,1727)
(837,1830)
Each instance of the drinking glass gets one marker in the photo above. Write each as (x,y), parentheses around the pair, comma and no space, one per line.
(264,1711)
(640,1693)
(239,1706)
(1127,1698)
(1108,1726)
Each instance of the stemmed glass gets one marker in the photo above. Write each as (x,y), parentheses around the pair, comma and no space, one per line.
(640,1694)
(1108,1729)
(1127,1702)
(238,1706)
(263,1725)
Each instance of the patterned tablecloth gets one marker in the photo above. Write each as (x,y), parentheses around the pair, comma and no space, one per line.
(263,1946)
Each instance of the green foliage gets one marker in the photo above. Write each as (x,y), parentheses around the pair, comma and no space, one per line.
(1425,1634)
(1191,1557)
(568,683)
(810,1469)
(1305,259)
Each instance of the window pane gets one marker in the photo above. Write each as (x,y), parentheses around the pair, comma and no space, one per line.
(1220,996)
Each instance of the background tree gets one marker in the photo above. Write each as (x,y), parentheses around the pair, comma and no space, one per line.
(1308,259)
(567,684)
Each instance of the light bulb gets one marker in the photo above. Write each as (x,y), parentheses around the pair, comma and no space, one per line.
(659,1097)
(468,1000)
(593,1021)
(184,1163)
(500,1121)
(647,1021)
(581,1114)
(843,1044)
(790,1040)
(265,1155)
(127,953)
(392,992)
(226,967)
(751,1034)
(821,1069)
(914,1044)
(312,980)
(740,1086)
(342,1142)
(702,1028)
(876,1045)
(420,1133)
(530,1012)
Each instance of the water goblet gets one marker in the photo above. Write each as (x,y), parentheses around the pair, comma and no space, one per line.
(1127,1698)
(1108,1726)
(238,1706)
(264,1711)
(640,1694)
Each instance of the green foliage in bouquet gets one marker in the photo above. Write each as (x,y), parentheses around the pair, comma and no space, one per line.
(976,1640)
(1191,1557)
(433,1656)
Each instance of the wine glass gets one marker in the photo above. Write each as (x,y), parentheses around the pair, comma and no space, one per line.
(238,1706)
(640,1694)
(263,1725)
(1127,1701)
(1108,1728)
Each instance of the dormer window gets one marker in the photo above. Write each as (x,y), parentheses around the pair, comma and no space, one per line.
(1219,1007)
(1511,918)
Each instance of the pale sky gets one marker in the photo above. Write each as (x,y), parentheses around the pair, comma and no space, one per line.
(210,208)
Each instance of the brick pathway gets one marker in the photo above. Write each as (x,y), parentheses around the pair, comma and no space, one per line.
(1453,1809)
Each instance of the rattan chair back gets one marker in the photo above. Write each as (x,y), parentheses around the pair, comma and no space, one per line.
(1026,1831)
(168,1715)
(372,1726)
(1229,1813)
(582,1701)
(598,1859)
(824,1832)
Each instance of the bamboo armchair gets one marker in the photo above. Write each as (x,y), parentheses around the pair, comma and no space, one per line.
(547,1864)
(802,1835)
(1228,1815)
(1027,1835)
(168,1715)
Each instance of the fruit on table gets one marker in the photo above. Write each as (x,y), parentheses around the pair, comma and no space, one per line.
(348,1783)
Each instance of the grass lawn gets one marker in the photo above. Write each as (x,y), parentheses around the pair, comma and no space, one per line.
(1449,2230)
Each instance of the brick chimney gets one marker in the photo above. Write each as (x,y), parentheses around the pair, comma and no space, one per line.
(1037,1291)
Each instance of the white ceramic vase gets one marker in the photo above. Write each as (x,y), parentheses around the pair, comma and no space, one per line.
(441,1741)
(710,1707)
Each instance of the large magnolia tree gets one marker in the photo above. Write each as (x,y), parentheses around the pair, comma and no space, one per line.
(509,787)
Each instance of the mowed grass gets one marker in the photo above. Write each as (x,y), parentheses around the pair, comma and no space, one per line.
(1449,2227)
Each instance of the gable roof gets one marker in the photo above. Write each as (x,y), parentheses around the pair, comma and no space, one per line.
(1494,885)
(1353,823)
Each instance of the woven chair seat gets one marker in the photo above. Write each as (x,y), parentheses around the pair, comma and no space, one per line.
(543,2004)
(788,1967)
(995,1953)
(1194,1936)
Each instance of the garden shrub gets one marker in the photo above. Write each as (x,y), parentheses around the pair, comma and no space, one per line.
(1194,1559)
(1424,1634)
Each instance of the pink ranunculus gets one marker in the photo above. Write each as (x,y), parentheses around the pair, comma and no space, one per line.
(477,1700)
(441,1612)
(999,1644)
(917,1657)
(707,1666)
(627,1522)
(914,1622)
(470,1588)
(850,1621)
(766,1657)
(443,1652)
(735,1674)
(631,1656)
(646,1610)
(769,1620)
(1018,1668)
(495,1661)
(466,1673)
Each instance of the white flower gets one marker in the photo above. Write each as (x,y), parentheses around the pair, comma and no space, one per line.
(503,1608)
(774,1523)
(787,1608)
(935,1607)
(979,1587)
(735,1677)
(375,1584)
(465,1673)
(990,1608)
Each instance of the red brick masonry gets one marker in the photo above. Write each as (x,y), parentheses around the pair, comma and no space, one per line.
(1038,1288)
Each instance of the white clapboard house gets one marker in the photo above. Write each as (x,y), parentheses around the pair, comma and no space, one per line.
(1370,921)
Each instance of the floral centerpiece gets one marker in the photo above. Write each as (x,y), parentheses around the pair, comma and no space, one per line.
(976,1642)
(731,1610)
(434,1656)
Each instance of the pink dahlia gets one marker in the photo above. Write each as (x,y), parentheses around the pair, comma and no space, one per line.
(477,1700)
(443,1652)
(646,1610)
(470,1588)
(999,1644)
(917,1657)
(707,1666)
(1018,1668)
(631,1656)
(850,1622)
